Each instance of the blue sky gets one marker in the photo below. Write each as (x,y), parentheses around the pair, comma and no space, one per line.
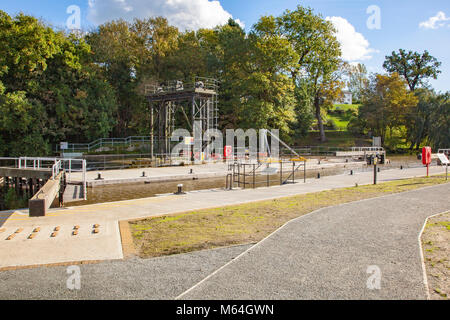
(400,20)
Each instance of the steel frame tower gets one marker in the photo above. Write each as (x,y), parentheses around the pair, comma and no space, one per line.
(197,100)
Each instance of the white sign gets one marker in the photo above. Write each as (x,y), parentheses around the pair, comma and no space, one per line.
(189,141)
(443,158)
(64,145)
(376,141)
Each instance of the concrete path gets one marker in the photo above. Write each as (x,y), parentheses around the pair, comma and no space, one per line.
(326,254)
(44,249)
(158,278)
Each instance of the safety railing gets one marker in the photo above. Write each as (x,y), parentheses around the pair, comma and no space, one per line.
(180,86)
(245,174)
(57,165)
(105,142)
(369,149)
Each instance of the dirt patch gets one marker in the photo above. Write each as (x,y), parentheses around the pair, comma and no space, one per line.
(436,251)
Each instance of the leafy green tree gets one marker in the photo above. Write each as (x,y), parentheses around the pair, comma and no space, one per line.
(418,123)
(50,88)
(439,132)
(318,57)
(387,104)
(26,45)
(115,53)
(414,67)
(358,81)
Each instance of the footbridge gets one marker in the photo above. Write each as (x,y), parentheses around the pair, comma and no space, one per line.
(42,180)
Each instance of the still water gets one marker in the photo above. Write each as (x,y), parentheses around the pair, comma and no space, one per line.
(119,192)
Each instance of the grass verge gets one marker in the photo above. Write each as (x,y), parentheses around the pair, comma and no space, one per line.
(436,252)
(247,223)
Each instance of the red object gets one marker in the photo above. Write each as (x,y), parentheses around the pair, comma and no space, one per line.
(227,152)
(426,155)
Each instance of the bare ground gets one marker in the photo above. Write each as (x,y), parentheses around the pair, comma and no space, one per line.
(436,251)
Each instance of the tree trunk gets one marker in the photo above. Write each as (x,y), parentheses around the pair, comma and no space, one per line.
(319,120)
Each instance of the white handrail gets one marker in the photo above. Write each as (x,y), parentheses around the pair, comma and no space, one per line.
(57,167)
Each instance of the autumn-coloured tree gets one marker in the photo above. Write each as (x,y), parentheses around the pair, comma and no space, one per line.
(387,104)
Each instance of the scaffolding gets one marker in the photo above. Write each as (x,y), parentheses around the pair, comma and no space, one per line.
(179,103)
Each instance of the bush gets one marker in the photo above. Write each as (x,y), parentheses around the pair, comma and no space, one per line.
(13,201)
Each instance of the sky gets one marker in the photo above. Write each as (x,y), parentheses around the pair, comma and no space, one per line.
(367,29)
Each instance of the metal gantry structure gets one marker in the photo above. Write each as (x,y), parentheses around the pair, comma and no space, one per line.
(180,102)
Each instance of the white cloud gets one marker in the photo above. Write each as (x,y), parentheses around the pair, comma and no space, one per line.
(184,14)
(439,20)
(354,46)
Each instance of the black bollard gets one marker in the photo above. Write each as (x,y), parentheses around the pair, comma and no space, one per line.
(318,175)
(375,173)
(351,172)
(143,174)
(99,176)
(180,190)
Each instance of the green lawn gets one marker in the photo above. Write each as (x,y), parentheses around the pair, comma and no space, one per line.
(340,115)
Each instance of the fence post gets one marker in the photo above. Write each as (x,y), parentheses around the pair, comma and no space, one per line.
(244,175)
(281,172)
(304,171)
(254,176)
(239,175)
(293,171)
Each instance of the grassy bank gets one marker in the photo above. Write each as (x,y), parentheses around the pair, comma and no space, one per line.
(436,251)
(247,223)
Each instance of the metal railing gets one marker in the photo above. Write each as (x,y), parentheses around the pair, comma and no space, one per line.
(326,151)
(57,165)
(180,86)
(104,142)
(370,149)
(245,173)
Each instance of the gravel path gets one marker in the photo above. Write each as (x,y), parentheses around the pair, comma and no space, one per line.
(157,278)
(326,254)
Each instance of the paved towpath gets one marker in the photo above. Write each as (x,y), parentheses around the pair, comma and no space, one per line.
(104,245)
(327,254)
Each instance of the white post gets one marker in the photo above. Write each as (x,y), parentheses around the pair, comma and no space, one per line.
(70,168)
(84,179)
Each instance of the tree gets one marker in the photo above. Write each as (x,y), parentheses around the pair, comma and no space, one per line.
(418,124)
(318,51)
(358,80)
(26,45)
(439,134)
(386,104)
(414,67)
(269,100)
(115,52)
(50,90)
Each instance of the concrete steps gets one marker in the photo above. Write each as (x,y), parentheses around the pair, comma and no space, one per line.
(73,193)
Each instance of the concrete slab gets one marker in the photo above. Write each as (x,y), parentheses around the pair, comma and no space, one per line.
(64,247)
